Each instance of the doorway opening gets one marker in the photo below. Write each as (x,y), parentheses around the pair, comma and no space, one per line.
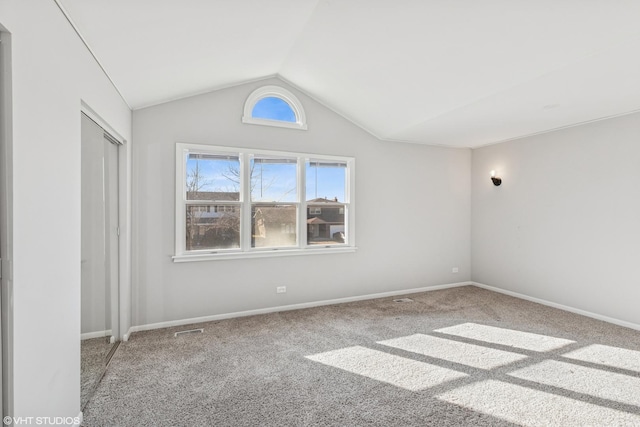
(100,227)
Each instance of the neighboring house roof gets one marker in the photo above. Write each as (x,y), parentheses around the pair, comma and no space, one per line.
(315,220)
(275,214)
(323,200)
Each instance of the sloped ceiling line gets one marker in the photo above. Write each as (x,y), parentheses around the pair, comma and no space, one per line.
(429,72)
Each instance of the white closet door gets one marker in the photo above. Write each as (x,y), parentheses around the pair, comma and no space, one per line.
(94,256)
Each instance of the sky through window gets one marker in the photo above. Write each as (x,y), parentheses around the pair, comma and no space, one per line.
(273,108)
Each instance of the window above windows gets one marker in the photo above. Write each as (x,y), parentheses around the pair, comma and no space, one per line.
(274,106)
(245,203)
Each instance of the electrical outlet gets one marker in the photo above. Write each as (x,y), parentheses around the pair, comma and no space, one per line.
(454,270)
(281,289)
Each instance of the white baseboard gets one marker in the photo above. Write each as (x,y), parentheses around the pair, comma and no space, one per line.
(215,317)
(560,306)
(79,418)
(97,334)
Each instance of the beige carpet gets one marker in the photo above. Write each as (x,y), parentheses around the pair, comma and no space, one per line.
(92,362)
(456,357)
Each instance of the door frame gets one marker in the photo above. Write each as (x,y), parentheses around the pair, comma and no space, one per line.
(6,224)
(124,218)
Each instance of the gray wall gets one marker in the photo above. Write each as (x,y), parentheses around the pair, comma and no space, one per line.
(412,213)
(565,224)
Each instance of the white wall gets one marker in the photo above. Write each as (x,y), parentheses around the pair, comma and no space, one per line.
(412,213)
(52,73)
(565,224)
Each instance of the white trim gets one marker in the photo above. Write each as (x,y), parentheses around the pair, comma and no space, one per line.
(90,112)
(124,215)
(350,207)
(91,52)
(266,253)
(245,250)
(275,92)
(97,334)
(301,179)
(181,215)
(560,306)
(6,225)
(245,196)
(274,123)
(224,316)
(80,418)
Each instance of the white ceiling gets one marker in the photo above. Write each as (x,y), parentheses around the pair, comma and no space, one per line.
(462,73)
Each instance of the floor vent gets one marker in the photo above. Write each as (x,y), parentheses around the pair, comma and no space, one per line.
(403,300)
(190,331)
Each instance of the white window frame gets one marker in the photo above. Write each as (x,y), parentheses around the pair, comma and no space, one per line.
(275,92)
(245,203)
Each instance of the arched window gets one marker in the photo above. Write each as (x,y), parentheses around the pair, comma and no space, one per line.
(274,106)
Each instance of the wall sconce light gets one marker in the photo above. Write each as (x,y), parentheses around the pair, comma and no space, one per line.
(496,180)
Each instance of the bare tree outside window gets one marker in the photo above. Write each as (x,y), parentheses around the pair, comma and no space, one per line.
(242,201)
(273,189)
(217,226)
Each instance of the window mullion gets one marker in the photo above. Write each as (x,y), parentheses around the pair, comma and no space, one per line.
(181,162)
(350,204)
(210,226)
(302,206)
(245,197)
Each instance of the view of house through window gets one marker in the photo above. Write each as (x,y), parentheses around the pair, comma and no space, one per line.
(273,189)
(235,200)
(273,226)
(326,189)
(212,191)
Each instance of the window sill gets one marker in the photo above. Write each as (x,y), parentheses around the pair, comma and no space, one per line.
(261,254)
(275,123)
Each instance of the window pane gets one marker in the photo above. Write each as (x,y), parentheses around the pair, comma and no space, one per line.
(325,224)
(273,226)
(213,227)
(213,177)
(326,181)
(273,179)
(273,108)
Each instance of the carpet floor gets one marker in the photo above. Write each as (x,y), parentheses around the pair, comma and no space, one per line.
(457,357)
(93,356)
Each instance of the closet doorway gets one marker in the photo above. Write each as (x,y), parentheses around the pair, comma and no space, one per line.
(99,263)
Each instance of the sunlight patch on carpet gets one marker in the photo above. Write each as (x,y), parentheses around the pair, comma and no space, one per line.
(398,371)
(466,354)
(594,382)
(528,407)
(608,356)
(507,337)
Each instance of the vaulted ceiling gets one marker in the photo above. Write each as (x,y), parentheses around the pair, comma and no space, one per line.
(460,73)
